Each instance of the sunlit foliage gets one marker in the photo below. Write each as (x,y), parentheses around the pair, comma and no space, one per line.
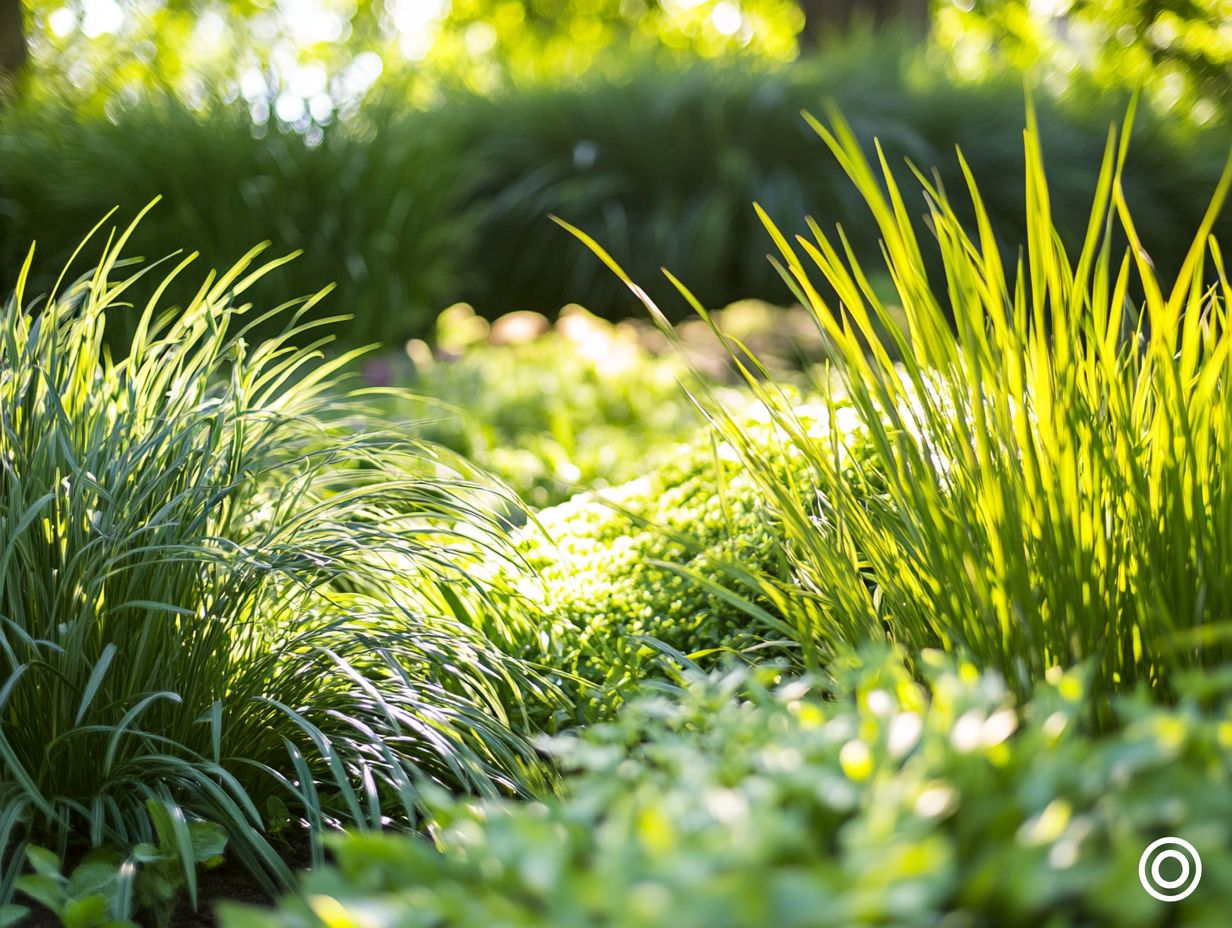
(1180,50)
(302,60)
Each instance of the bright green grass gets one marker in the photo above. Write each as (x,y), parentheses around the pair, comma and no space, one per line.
(1054,445)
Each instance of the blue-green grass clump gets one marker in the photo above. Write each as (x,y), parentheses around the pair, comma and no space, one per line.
(209,549)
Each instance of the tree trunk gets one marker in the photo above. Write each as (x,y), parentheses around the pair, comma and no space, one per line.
(12,44)
(824,19)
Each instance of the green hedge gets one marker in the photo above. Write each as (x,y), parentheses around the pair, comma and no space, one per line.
(739,802)
(662,169)
(409,211)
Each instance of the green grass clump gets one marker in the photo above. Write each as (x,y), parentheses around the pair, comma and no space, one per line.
(1061,491)
(741,802)
(1056,443)
(208,557)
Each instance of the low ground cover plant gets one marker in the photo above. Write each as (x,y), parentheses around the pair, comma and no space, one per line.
(104,889)
(208,556)
(670,567)
(879,796)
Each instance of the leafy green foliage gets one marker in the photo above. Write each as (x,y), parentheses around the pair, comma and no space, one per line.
(1179,52)
(208,588)
(100,57)
(168,866)
(871,800)
(490,45)
(104,889)
(88,898)
(265,48)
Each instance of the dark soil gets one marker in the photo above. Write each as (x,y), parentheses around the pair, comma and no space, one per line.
(229,883)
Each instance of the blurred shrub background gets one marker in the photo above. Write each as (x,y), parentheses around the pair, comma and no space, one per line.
(414,149)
